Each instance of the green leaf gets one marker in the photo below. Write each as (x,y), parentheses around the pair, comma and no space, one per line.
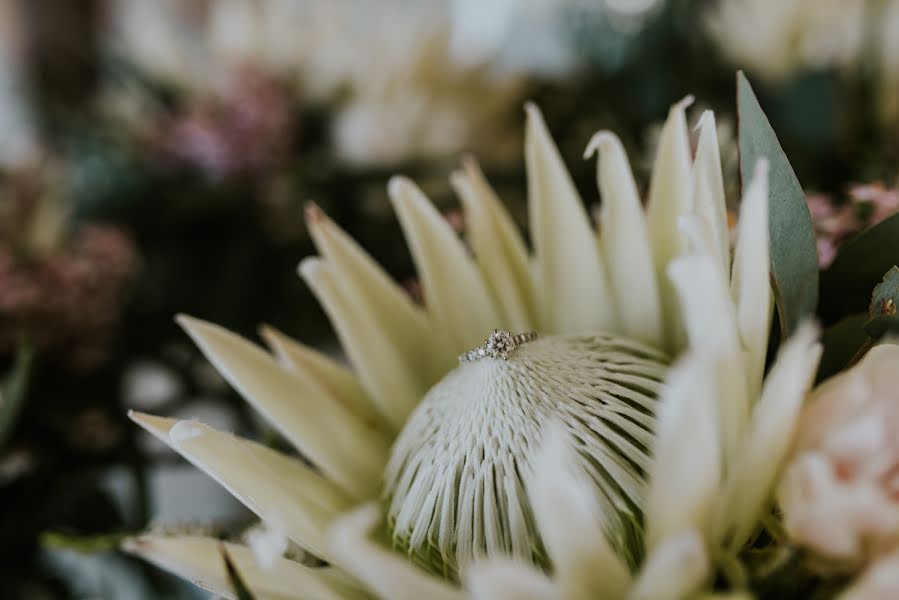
(842,342)
(858,267)
(882,310)
(241,591)
(13,391)
(794,257)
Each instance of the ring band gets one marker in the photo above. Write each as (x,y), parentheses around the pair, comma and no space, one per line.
(501,344)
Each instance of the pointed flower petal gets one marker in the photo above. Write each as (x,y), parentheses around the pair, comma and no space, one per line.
(270,484)
(684,477)
(498,248)
(572,290)
(454,290)
(200,560)
(390,576)
(348,451)
(675,570)
(624,240)
(771,431)
(387,370)
(508,580)
(670,198)
(750,285)
(708,185)
(339,380)
(568,517)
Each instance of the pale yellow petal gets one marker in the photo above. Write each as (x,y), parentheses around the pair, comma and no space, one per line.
(498,248)
(389,575)
(363,279)
(750,284)
(675,570)
(670,198)
(569,520)
(711,329)
(336,378)
(573,292)
(272,485)
(201,561)
(708,185)
(385,368)
(624,239)
(508,580)
(684,476)
(769,437)
(347,450)
(454,290)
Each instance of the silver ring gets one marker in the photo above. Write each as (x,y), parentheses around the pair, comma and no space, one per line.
(501,344)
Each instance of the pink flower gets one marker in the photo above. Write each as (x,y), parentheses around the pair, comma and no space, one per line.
(840,492)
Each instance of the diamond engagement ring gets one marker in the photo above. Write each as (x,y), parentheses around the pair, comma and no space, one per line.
(501,344)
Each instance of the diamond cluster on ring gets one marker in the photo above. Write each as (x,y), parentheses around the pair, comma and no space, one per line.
(501,344)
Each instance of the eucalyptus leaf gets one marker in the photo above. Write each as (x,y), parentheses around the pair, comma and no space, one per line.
(858,267)
(882,310)
(13,391)
(794,258)
(842,342)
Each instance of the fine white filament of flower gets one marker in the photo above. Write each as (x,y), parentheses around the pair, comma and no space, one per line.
(609,305)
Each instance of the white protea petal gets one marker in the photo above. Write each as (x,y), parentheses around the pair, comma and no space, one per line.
(336,378)
(677,568)
(508,580)
(391,379)
(624,239)
(267,482)
(585,565)
(454,290)
(572,290)
(670,198)
(359,276)
(710,203)
(200,560)
(349,451)
(750,285)
(769,436)
(711,328)
(498,248)
(388,575)
(684,478)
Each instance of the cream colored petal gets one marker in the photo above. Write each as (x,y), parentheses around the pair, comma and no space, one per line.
(624,239)
(200,560)
(676,569)
(670,198)
(340,381)
(572,289)
(363,280)
(567,514)
(455,292)
(385,368)
(770,434)
(508,580)
(270,484)
(750,284)
(498,248)
(712,331)
(708,185)
(879,581)
(349,452)
(684,476)
(390,576)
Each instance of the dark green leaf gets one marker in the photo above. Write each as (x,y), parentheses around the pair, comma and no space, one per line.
(794,258)
(842,342)
(858,267)
(13,391)
(882,310)
(241,591)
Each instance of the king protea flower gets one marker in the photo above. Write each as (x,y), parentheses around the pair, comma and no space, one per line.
(582,466)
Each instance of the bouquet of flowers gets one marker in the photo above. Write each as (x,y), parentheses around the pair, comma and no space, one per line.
(658,413)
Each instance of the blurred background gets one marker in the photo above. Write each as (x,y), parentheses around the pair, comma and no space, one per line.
(156,157)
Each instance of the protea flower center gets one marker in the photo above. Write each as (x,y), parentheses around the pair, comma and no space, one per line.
(456,483)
